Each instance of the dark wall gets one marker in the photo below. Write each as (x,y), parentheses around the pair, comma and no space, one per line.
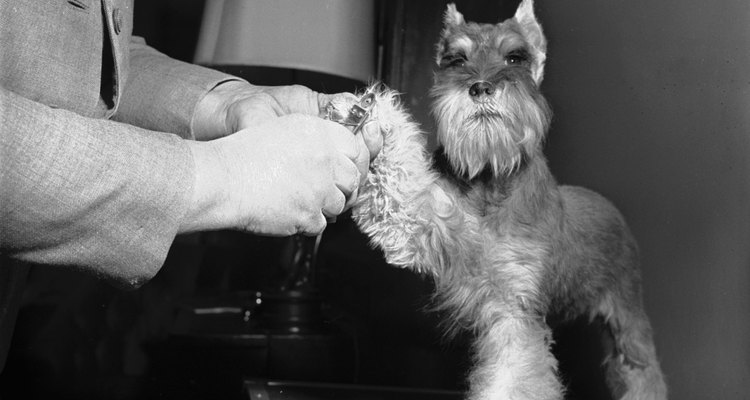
(651,104)
(170,26)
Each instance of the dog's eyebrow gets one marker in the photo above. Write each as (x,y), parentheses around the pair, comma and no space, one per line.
(505,43)
(461,44)
(520,52)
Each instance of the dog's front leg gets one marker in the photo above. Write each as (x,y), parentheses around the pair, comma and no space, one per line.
(513,360)
(403,207)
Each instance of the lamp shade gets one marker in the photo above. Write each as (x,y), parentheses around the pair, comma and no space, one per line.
(330,36)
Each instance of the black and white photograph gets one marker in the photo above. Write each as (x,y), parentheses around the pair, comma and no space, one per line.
(374,200)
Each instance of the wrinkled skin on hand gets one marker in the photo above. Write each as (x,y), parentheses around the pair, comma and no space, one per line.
(255,104)
(271,164)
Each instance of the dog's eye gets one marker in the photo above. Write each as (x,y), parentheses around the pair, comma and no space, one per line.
(517,58)
(453,60)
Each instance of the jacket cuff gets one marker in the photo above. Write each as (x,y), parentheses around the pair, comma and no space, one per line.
(162,93)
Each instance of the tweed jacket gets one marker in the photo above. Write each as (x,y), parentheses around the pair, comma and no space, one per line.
(93,173)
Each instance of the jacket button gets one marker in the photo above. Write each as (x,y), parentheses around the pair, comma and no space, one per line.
(117,20)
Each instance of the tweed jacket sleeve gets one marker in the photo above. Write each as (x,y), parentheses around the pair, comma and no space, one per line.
(161,93)
(77,186)
(91,193)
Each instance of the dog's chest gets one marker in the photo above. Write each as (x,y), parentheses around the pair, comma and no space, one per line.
(487,202)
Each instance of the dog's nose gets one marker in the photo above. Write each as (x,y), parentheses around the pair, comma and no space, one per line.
(481,88)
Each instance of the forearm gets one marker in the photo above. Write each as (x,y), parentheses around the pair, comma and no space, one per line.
(95,194)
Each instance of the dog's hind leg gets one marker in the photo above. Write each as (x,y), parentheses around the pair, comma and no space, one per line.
(633,371)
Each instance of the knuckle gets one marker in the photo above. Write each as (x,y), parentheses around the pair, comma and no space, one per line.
(295,88)
(322,157)
(315,224)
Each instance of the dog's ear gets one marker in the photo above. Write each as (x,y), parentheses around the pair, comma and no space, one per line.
(452,20)
(452,17)
(532,31)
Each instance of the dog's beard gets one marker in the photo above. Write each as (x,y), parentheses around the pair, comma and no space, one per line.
(495,133)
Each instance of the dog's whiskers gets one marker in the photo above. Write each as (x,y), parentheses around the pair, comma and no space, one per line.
(484,117)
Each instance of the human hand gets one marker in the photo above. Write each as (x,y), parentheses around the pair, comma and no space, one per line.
(282,176)
(236,105)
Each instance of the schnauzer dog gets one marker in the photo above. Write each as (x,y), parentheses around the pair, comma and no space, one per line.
(506,246)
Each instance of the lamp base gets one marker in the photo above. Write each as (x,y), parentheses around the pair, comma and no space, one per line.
(290,311)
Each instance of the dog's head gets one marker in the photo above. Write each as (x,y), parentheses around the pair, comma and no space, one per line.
(487,104)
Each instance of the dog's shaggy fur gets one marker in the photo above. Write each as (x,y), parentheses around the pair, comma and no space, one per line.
(505,244)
